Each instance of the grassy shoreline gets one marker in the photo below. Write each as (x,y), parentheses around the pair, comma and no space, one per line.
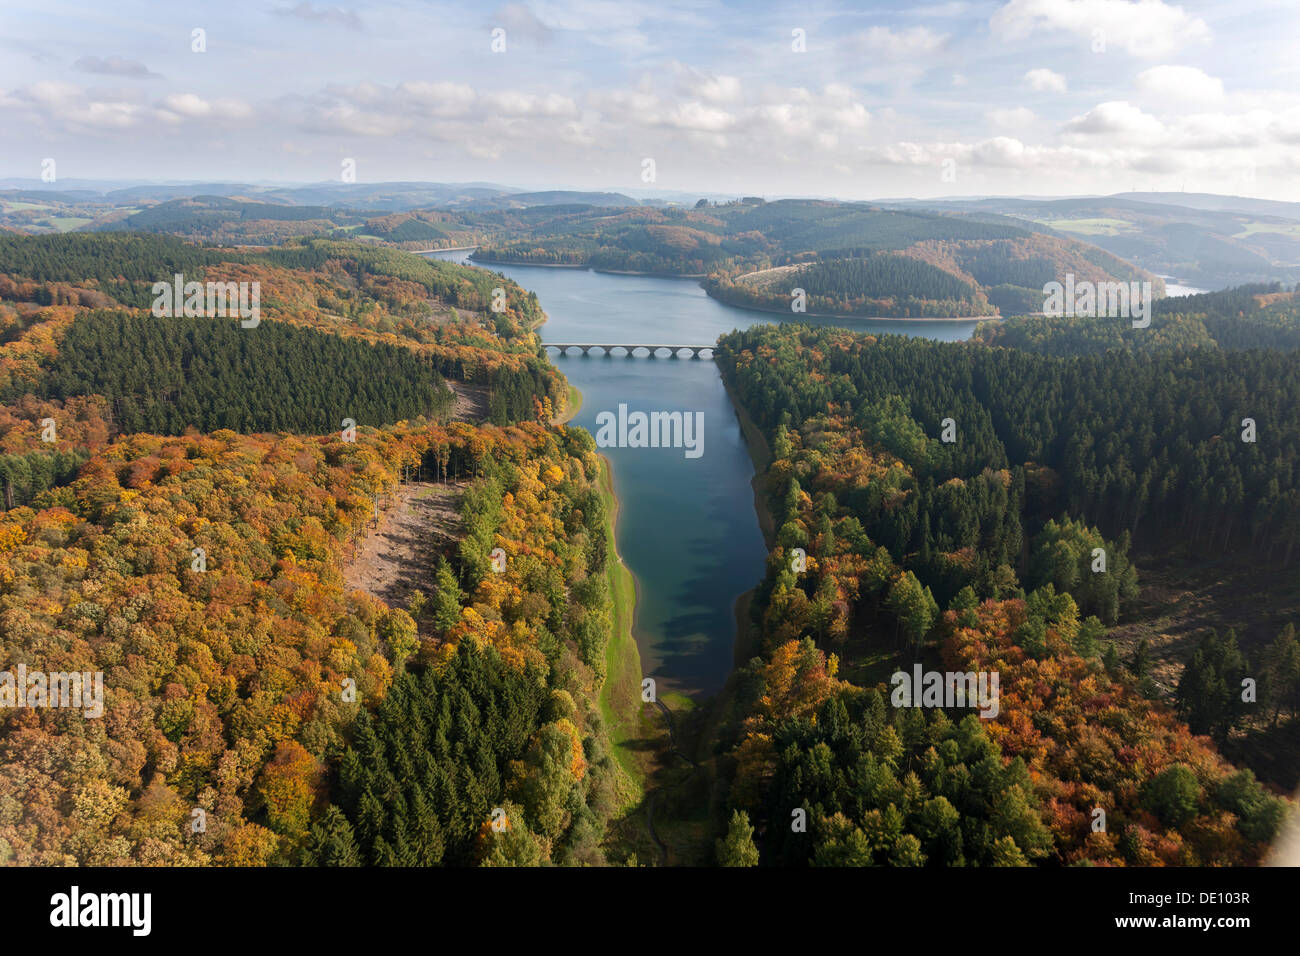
(620,693)
(620,696)
(572,406)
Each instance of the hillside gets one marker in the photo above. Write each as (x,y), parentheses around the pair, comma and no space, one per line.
(1210,241)
(156,532)
(849,258)
(979,555)
(338,320)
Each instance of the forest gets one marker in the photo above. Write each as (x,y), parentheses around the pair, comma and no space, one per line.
(165,538)
(226,688)
(1149,443)
(167,375)
(981,554)
(1262,316)
(876,284)
(355,309)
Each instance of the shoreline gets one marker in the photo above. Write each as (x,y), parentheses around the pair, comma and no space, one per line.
(534,265)
(620,691)
(974,319)
(588,266)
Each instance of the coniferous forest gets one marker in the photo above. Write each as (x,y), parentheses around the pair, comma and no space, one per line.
(979,549)
(167,375)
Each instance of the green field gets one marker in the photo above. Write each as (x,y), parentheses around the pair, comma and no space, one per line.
(1250,228)
(1089,227)
(68,223)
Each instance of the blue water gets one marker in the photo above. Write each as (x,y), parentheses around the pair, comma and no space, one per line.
(687,529)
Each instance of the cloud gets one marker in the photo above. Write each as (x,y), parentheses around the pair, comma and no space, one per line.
(711,87)
(69,106)
(333,15)
(1141,27)
(1044,80)
(1180,83)
(898,44)
(528,104)
(1115,119)
(1016,118)
(115,66)
(699,118)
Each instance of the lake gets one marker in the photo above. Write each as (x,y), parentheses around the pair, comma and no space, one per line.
(687,529)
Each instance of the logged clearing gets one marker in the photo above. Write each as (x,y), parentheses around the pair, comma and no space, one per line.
(397,558)
(471,402)
(1193,594)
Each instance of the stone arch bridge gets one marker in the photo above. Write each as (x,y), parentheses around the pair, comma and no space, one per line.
(631,351)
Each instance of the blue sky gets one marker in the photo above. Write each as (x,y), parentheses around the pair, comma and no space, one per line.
(909,99)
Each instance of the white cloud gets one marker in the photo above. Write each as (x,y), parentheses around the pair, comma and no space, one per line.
(1115,119)
(899,44)
(700,118)
(1016,118)
(1141,27)
(187,104)
(1180,83)
(1043,80)
(711,87)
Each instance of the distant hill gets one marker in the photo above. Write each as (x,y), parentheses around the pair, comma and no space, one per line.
(1215,203)
(553,197)
(849,258)
(1211,241)
(235,220)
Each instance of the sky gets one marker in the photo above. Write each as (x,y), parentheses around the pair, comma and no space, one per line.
(856,100)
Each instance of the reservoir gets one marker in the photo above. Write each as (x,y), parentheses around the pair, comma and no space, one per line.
(687,529)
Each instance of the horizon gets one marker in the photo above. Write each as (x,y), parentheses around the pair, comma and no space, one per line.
(13,183)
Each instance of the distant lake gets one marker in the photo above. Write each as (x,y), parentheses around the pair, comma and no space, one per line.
(687,528)
(1176,290)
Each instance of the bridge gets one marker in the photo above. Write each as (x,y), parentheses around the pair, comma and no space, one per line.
(651,351)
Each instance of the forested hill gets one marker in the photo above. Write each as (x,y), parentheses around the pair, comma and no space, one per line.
(185,502)
(300,721)
(981,554)
(345,331)
(849,258)
(1247,317)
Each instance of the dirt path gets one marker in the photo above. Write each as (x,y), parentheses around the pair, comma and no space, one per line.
(398,558)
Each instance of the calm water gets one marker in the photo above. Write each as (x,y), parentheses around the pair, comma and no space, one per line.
(687,527)
(1175,289)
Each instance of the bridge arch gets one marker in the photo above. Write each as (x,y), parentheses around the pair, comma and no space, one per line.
(630,350)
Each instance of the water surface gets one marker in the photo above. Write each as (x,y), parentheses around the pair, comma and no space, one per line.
(687,528)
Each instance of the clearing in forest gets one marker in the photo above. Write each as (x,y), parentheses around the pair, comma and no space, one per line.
(399,557)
